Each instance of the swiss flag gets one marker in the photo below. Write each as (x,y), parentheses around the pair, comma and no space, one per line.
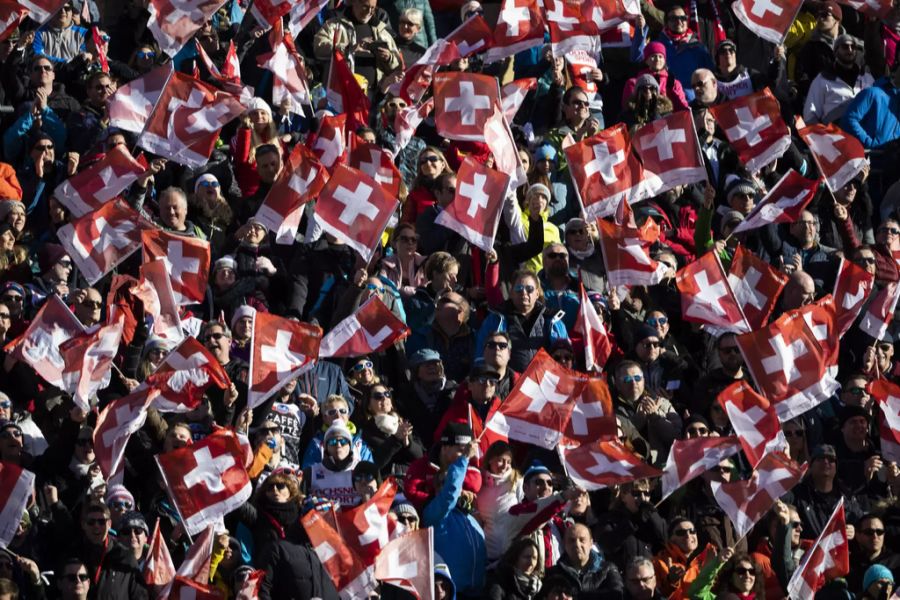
(499,139)
(472,37)
(408,562)
(41,10)
(670,154)
(174,22)
(540,404)
(11,14)
(571,26)
(344,93)
(132,104)
(330,142)
(88,190)
(513,94)
(372,160)
(769,19)
(754,128)
(756,286)
(365,527)
(282,349)
(159,570)
(187,121)
(604,170)
(829,558)
(206,480)
(820,317)
(690,458)
(706,296)
(783,204)
(626,255)
(880,311)
(289,74)
(839,156)
(788,364)
(597,347)
(350,575)
(592,417)
(475,211)
(88,359)
(229,76)
(251,587)
(602,464)
(354,208)
(269,12)
(99,241)
(407,121)
(154,290)
(520,26)
(187,260)
(121,418)
(184,375)
(887,395)
(197,563)
(302,13)
(39,347)
(301,179)
(369,330)
(747,501)
(16,490)
(754,420)
(463,102)
(852,286)
(877,9)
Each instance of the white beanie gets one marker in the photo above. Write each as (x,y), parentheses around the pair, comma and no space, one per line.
(256,103)
(241,312)
(204,178)
(225,261)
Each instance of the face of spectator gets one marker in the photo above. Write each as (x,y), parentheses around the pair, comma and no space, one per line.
(61,269)
(7,241)
(564,357)
(363,371)
(727,59)
(577,237)
(496,352)
(870,536)
(442,589)
(847,194)
(430,164)
(730,355)
(884,355)
(218,343)
(87,309)
(225,277)
(268,166)
(525,294)
(365,485)
(13,301)
(704,85)
(888,233)
(795,436)
(176,437)
(363,10)
(5,409)
(648,349)
(659,321)
(11,444)
(43,151)
(173,211)
(637,494)
(855,430)
(431,371)
(825,21)
(56,211)
(854,393)
(209,191)
(630,383)
(445,280)
(84,449)
(408,29)
(742,202)
(64,17)
(145,58)
(537,203)
(392,107)
(538,486)
(336,411)
(449,313)
(556,260)
(74,582)
(823,468)
(656,62)
(641,582)
(577,109)
(447,192)
(380,400)
(99,91)
(411,522)
(483,388)
(500,464)
(684,536)
(95,526)
(805,229)
(42,73)
(134,538)
(525,158)
(797,528)
(337,447)
(243,327)
(677,20)
(578,544)
(406,242)
(696,430)
(743,577)
(259,116)
(278,491)
(527,561)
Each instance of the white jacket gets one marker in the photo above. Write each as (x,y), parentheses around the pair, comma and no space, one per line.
(827,97)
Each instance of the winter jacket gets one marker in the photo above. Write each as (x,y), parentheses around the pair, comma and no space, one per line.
(418,486)
(624,537)
(316,449)
(293,572)
(117,574)
(538,519)
(17,135)
(674,555)
(59,45)
(503,584)
(457,351)
(344,27)
(599,580)
(682,59)
(669,86)
(874,114)
(388,452)
(528,334)
(829,96)
(498,494)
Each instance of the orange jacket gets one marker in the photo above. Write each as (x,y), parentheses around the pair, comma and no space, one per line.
(671,556)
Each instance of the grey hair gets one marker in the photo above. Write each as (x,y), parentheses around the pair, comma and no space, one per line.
(414,15)
(636,563)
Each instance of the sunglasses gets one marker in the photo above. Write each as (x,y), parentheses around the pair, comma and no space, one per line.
(333,412)
(745,571)
(43,147)
(799,433)
(524,288)
(796,525)
(92,304)
(652,344)
(338,442)
(280,486)
(122,504)
(873,531)
(890,230)
(575,231)
(84,442)
(866,260)
(366,477)
(632,379)
(678,18)
(146,54)
(485,380)
(543,482)
(367,364)
(4,315)
(684,532)
(885,347)
(41,68)
(430,159)
(856,391)
(657,321)
(374,288)
(557,255)
(640,493)
(382,395)
(5,404)
(210,184)
(76,577)
(215,336)
(407,519)
(136,531)
(579,104)
(730,350)
(496,345)
(828,459)
(408,239)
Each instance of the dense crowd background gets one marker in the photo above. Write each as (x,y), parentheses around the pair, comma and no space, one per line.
(514,526)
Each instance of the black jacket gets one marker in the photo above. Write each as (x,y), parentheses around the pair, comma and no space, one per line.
(293,572)
(503,584)
(600,580)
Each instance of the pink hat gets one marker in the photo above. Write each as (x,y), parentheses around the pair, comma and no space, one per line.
(654,48)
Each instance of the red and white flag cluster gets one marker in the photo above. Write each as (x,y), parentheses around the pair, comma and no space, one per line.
(839,156)
(281,350)
(754,128)
(626,253)
(475,211)
(301,180)
(756,286)
(690,458)
(707,297)
(769,19)
(754,420)
(88,190)
(16,489)
(783,204)
(603,464)
(852,287)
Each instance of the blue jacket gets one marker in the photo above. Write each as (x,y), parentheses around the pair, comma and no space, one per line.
(316,449)
(873,116)
(458,538)
(15,138)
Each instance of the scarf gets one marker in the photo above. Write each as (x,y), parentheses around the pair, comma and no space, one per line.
(583,254)
(529,584)
(679,38)
(717,21)
(283,513)
(79,469)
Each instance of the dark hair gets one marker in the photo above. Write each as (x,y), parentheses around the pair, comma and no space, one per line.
(95,507)
(266,149)
(7,587)
(498,333)
(511,556)
(723,581)
(567,97)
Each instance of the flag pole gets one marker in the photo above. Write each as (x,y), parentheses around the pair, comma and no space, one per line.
(172,498)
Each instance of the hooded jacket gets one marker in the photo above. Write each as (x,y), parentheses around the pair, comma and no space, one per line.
(874,114)
(599,580)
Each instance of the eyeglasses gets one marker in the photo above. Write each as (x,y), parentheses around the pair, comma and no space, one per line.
(122,504)
(640,493)
(652,344)
(678,18)
(579,104)
(407,519)
(657,321)
(744,571)
(209,184)
(95,522)
(68,9)
(43,147)
(701,83)
(697,431)
(374,288)
(496,345)
(866,260)
(431,159)
(280,485)
(485,380)
(4,315)
(856,391)
(632,379)
(41,68)
(92,304)
(796,525)
(382,395)
(873,531)
(408,23)
(529,289)
(215,336)
(65,263)
(5,404)
(885,347)
(366,477)
(146,54)
(338,442)
(366,364)
(397,105)
(684,532)
(557,255)
(76,577)
(333,412)
(889,230)
(828,459)
(730,350)
(135,531)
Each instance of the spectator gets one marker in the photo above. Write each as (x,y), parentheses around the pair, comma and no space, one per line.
(832,90)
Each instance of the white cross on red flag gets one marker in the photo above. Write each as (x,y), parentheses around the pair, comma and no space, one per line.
(839,155)
(820,317)
(88,190)
(370,329)
(852,286)
(365,527)
(513,94)
(670,154)
(117,421)
(604,170)
(887,395)
(99,241)
(783,204)
(159,570)
(769,19)
(756,286)
(499,139)
(876,9)
(185,589)
(132,104)
(827,559)
(372,160)
(154,290)
(206,480)
(706,296)
(754,128)
(11,15)
(462,104)
(344,93)
(592,417)
(288,71)
(690,458)
(520,26)
(880,311)
(601,464)
(16,489)
(354,208)
(407,121)
(571,27)
(88,359)
(475,211)
(472,37)
(597,347)
(753,419)
(408,562)
(281,350)
(330,142)
(626,254)
(184,375)
(788,364)
(187,261)
(747,501)
(351,577)
(173,22)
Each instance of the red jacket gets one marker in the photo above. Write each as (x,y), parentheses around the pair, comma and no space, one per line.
(416,202)
(462,411)
(419,488)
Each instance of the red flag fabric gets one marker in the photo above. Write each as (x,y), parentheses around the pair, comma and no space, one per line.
(473,36)
(184,375)
(375,162)
(475,211)
(887,395)
(354,208)
(88,358)
(174,22)
(602,464)
(747,501)
(99,241)
(788,364)
(121,418)
(206,480)
(753,419)
(876,9)
(187,261)
(40,11)
(185,589)
(463,102)
(754,128)
(282,349)
(880,311)
(156,294)
(852,286)
(690,458)
(369,330)
(627,257)
(597,347)
(706,296)
(407,120)
(251,586)
(670,154)
(330,142)
(346,570)
(820,317)
(105,179)
(499,139)
(288,71)
(269,12)
(159,570)
(132,104)
(839,156)
(756,286)
(345,94)
(571,26)
(11,15)
(592,417)
(16,488)
(520,26)
(187,120)
(604,170)
(408,562)
(197,563)
(783,204)
(301,179)
(769,19)
(123,305)
(365,527)
(513,94)
(829,558)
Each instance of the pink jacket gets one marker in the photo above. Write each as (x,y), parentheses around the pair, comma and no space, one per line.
(675,94)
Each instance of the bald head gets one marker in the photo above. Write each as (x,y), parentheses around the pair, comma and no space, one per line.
(704,84)
(799,291)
